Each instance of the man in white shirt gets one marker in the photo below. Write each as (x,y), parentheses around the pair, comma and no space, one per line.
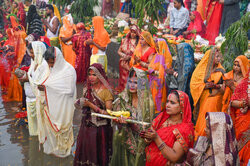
(52,24)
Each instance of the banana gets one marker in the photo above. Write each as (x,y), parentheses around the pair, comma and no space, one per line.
(126,114)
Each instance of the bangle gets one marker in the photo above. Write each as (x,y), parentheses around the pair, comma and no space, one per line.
(162,145)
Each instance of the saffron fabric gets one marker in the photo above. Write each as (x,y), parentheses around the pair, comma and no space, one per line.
(65,32)
(201,97)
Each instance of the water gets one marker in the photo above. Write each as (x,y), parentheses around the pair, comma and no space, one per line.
(17,148)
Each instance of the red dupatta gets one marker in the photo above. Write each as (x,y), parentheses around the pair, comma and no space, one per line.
(197,25)
(183,133)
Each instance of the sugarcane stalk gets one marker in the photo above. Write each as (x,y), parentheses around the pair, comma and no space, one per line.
(127,120)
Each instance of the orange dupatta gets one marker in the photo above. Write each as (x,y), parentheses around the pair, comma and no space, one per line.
(67,31)
(101,36)
(203,102)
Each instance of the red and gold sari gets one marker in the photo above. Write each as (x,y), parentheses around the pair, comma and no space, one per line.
(241,121)
(128,48)
(183,133)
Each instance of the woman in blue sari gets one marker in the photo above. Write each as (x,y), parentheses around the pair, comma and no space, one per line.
(179,78)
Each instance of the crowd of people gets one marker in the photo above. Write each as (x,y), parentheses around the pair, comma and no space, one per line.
(190,114)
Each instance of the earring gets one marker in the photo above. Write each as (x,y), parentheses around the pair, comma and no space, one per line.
(181,112)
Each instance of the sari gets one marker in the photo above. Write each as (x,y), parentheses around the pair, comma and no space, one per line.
(65,32)
(21,14)
(201,97)
(157,83)
(37,77)
(101,37)
(138,51)
(128,146)
(94,141)
(182,132)
(60,94)
(223,143)
(184,66)
(82,51)
(17,40)
(242,121)
(128,48)
(244,65)
(196,25)
(32,112)
(212,14)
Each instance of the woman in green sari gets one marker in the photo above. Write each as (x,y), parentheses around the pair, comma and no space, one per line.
(128,146)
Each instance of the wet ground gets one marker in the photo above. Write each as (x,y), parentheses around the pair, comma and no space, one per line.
(17,148)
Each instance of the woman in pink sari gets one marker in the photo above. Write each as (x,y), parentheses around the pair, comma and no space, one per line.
(196,26)
(125,52)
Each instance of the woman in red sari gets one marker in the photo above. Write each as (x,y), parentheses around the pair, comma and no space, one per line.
(172,133)
(144,52)
(21,15)
(196,26)
(125,52)
(212,13)
(240,114)
(83,52)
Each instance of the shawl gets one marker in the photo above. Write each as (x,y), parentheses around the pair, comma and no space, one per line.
(60,92)
(37,76)
(101,36)
(183,132)
(224,144)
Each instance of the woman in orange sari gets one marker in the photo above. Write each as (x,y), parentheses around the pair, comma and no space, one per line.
(144,52)
(17,41)
(207,88)
(240,112)
(157,71)
(99,43)
(233,78)
(65,36)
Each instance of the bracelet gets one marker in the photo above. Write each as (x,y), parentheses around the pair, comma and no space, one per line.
(162,146)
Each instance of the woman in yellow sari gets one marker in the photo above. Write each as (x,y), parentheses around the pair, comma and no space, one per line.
(65,36)
(207,88)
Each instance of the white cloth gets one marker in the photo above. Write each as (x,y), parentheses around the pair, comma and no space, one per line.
(30,96)
(60,94)
(37,74)
(49,33)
